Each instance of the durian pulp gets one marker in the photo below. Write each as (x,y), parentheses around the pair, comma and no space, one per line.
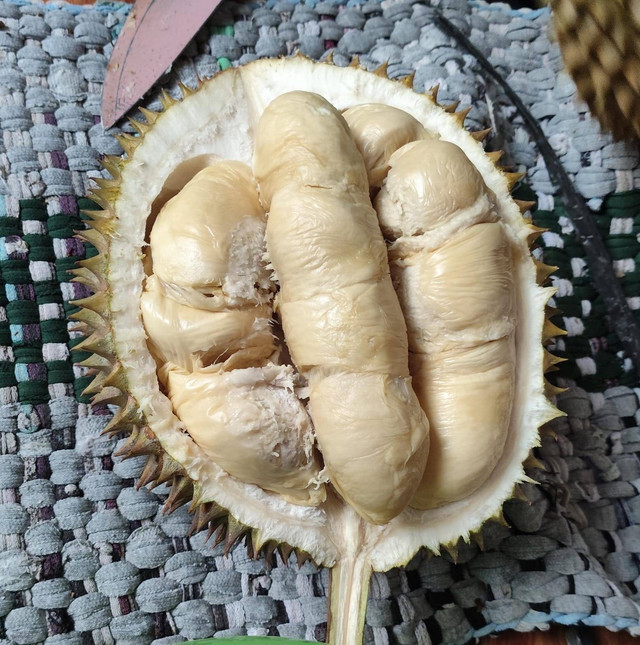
(219,120)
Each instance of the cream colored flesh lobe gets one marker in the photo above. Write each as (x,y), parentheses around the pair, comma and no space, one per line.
(213,345)
(462,348)
(219,122)
(340,315)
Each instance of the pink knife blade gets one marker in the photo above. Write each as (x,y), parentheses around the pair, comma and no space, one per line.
(154,34)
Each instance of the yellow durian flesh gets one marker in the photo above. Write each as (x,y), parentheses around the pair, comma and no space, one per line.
(251,423)
(330,532)
(415,201)
(190,337)
(463,352)
(379,130)
(342,320)
(208,237)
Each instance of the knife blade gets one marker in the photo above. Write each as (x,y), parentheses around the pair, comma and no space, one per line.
(153,36)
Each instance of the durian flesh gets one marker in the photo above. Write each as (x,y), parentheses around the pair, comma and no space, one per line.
(456,351)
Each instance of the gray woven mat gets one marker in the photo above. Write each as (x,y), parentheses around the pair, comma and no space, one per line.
(85,557)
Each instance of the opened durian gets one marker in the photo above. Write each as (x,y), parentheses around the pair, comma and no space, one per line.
(396,407)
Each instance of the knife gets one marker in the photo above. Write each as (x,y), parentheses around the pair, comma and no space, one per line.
(153,36)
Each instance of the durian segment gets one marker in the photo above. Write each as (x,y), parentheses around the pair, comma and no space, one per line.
(415,201)
(209,237)
(379,130)
(439,290)
(251,423)
(316,202)
(192,338)
(328,159)
(467,393)
(376,451)
(459,304)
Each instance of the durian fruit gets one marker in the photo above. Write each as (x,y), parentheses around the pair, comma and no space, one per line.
(599,44)
(317,439)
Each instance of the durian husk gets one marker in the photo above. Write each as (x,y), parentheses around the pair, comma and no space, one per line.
(217,119)
(599,43)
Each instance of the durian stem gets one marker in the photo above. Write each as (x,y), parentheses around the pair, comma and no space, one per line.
(348,599)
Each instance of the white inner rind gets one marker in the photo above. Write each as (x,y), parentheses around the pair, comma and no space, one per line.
(219,119)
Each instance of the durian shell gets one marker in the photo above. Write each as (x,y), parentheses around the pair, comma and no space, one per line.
(599,44)
(202,123)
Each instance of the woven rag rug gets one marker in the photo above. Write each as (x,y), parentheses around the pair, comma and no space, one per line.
(85,557)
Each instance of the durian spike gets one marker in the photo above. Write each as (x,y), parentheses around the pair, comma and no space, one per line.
(549,331)
(109,396)
(452,550)
(528,480)
(117,377)
(104,379)
(92,318)
(96,363)
(552,390)
(433,93)
(524,206)
(96,385)
(533,462)
(381,70)
(519,494)
(97,302)
(478,538)
(126,417)
(141,441)
(481,135)
(550,360)
(180,494)
(97,264)
(495,156)
(112,165)
(99,343)
(105,183)
(220,532)
(543,271)
(407,81)
(185,89)
(166,100)
(95,238)
(207,514)
(257,541)
(96,214)
(461,115)
(148,475)
(268,550)
(169,468)
(355,61)
(267,553)
(102,197)
(534,233)
(128,142)
(329,58)
(285,551)
(85,276)
(451,108)
(302,557)
(149,115)
(513,178)
(235,531)
(140,127)
(500,519)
